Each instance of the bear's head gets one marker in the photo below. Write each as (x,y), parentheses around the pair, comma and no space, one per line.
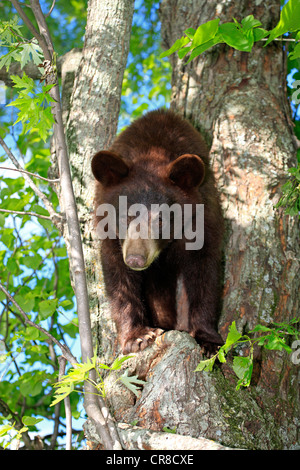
(143,209)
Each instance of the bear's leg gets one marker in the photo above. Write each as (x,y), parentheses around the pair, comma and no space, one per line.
(160,288)
(124,291)
(202,284)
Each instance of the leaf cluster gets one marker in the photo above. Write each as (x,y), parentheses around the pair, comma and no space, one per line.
(80,373)
(240,36)
(35,270)
(19,49)
(274,338)
(34,110)
(10,432)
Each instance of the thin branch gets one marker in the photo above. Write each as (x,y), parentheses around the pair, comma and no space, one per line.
(29,173)
(67,403)
(64,349)
(46,41)
(55,217)
(281,39)
(32,214)
(15,418)
(32,28)
(51,9)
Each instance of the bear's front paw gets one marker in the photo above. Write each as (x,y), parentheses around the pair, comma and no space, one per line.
(139,340)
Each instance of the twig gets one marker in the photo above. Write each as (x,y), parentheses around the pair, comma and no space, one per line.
(29,173)
(64,349)
(32,214)
(55,217)
(51,9)
(281,39)
(15,418)
(32,28)
(62,366)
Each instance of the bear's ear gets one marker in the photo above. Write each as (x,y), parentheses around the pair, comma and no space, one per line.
(187,171)
(109,168)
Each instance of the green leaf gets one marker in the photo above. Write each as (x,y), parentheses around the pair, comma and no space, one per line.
(132,382)
(204,47)
(295,54)
(26,301)
(119,361)
(31,52)
(236,37)
(5,428)
(259,33)
(232,337)
(62,393)
(23,82)
(221,354)
(289,20)
(32,262)
(8,58)
(8,238)
(31,384)
(12,266)
(66,303)
(205,32)
(206,365)
(31,333)
(34,110)
(274,342)
(31,421)
(169,430)
(176,46)
(262,328)
(47,308)
(190,32)
(250,22)
(74,377)
(243,367)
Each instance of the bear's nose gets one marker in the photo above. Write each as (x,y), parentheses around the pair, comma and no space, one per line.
(135,261)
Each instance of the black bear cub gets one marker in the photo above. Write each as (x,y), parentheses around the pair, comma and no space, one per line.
(159,218)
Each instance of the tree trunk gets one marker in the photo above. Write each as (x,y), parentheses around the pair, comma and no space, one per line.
(91,125)
(238,100)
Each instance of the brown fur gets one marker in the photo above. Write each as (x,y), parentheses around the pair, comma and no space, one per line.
(143,163)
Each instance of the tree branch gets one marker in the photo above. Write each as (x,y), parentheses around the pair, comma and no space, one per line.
(30,174)
(15,418)
(32,214)
(67,403)
(32,29)
(55,217)
(64,349)
(96,410)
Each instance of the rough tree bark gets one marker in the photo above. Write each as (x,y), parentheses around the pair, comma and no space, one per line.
(239,101)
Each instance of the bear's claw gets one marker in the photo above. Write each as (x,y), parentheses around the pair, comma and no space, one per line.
(145,337)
